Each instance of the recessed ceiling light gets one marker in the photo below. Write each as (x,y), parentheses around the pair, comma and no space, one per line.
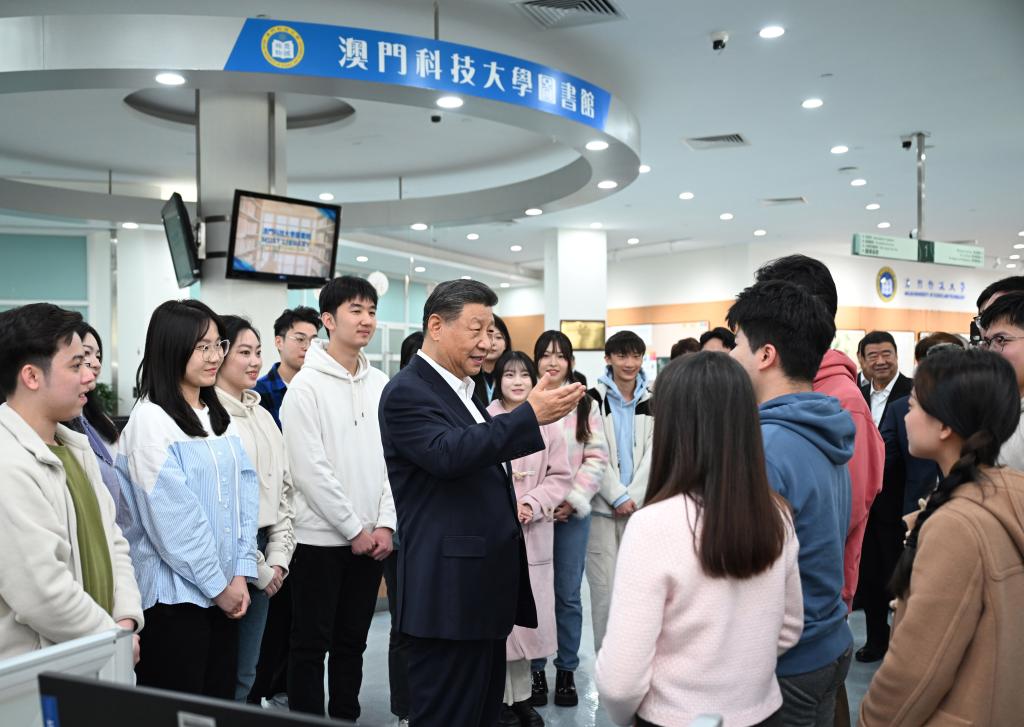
(686,195)
(503,285)
(596,225)
(760,233)
(633,241)
(884,225)
(326,196)
(130,225)
(467,277)
(873,206)
(644,168)
(770,32)
(515,248)
(597,145)
(839,149)
(1011,265)
(858,182)
(607,184)
(472,236)
(725,216)
(419,269)
(1019,246)
(812,103)
(170,79)
(534,211)
(418,226)
(1020,234)
(1015,257)
(362,259)
(449,102)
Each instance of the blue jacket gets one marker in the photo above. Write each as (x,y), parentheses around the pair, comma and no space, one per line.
(910,478)
(622,417)
(808,440)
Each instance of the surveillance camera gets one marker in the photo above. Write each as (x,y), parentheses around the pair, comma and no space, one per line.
(719,39)
(435,118)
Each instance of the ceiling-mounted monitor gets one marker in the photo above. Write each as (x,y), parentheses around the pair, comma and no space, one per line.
(181,240)
(283,239)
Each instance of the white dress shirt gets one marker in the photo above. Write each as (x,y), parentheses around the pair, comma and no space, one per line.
(878,399)
(463,388)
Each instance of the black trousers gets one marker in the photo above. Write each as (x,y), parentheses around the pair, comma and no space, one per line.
(455,683)
(190,649)
(272,667)
(334,594)
(883,544)
(398,645)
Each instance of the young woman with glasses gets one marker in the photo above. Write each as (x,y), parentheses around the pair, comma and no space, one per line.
(192,499)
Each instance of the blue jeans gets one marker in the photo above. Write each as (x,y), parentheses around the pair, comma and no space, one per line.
(250,632)
(570,557)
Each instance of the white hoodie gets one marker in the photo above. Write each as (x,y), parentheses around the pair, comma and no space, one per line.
(332,435)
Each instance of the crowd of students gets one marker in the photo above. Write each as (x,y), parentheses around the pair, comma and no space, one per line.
(240,526)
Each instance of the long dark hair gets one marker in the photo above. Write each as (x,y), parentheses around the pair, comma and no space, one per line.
(708,445)
(93,410)
(563,346)
(174,330)
(975,394)
(506,361)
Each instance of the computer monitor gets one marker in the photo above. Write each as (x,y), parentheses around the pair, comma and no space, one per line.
(69,701)
(181,240)
(283,239)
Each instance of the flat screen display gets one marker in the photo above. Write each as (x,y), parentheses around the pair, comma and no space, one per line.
(282,239)
(181,240)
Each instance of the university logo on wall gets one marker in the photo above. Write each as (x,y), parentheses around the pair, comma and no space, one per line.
(283,47)
(885,284)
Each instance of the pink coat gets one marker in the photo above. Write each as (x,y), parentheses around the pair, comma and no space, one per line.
(542,480)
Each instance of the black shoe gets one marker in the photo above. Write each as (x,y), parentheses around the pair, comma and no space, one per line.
(565,689)
(528,716)
(871,652)
(540,689)
(508,718)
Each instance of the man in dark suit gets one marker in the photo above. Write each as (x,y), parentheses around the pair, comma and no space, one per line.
(883,536)
(462,570)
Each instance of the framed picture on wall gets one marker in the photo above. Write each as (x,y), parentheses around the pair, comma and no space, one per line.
(584,335)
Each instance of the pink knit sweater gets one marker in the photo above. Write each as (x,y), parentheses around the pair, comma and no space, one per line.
(681,644)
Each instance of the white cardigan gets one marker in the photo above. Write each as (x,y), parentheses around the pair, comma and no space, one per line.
(42,601)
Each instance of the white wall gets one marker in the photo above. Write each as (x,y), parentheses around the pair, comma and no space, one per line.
(528,301)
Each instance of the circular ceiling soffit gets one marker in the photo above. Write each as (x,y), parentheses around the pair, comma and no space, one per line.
(178,105)
(96,65)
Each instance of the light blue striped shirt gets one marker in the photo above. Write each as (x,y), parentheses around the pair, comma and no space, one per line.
(192,506)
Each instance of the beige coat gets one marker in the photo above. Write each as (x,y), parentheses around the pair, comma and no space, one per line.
(42,601)
(958,639)
(264,445)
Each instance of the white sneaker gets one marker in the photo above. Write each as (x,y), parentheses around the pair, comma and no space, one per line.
(278,701)
(403,722)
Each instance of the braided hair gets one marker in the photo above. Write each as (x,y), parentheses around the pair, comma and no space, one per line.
(975,394)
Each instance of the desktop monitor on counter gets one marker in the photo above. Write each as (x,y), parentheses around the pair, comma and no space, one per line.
(282,239)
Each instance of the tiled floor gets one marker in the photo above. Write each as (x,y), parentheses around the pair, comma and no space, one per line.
(375,700)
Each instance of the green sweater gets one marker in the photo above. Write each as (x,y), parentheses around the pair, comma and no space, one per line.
(97,572)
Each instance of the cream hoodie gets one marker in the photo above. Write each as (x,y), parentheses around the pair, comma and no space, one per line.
(332,436)
(42,601)
(264,444)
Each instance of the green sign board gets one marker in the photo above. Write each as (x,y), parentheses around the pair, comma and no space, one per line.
(922,251)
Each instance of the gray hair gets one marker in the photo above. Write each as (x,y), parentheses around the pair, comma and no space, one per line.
(451,296)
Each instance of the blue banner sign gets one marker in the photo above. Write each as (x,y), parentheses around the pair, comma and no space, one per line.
(310,49)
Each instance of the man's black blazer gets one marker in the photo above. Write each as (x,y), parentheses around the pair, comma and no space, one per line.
(900,389)
(462,565)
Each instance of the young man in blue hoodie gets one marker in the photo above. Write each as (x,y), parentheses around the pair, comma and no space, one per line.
(782,333)
(623,401)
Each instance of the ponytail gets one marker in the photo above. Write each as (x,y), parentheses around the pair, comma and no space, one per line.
(964,471)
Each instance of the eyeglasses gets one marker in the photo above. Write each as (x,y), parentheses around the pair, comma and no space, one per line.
(997,342)
(213,351)
(300,340)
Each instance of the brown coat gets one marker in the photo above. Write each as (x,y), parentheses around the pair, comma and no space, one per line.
(957,648)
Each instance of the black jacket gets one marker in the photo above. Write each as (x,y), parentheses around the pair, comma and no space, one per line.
(462,565)
(900,389)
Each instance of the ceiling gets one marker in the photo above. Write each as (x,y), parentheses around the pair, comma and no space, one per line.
(882,68)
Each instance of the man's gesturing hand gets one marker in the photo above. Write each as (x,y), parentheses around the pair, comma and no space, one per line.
(551,401)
